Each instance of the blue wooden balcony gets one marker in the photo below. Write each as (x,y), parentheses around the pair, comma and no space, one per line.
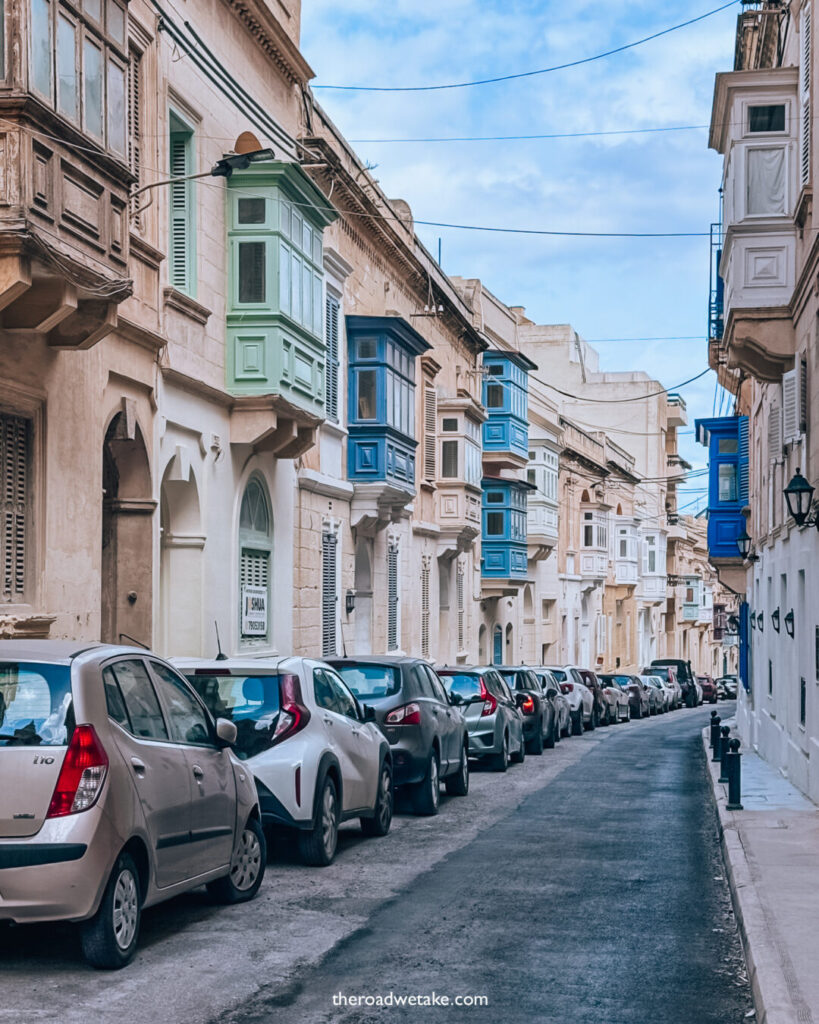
(503,529)
(726,439)
(505,397)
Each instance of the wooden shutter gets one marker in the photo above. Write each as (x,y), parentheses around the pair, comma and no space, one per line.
(803,396)
(331,327)
(392,597)
(425,575)
(180,220)
(134,135)
(459,576)
(804,97)
(790,406)
(774,434)
(329,595)
(430,431)
(743,460)
(14,443)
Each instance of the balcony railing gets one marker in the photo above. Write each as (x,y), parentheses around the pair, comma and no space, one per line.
(716,295)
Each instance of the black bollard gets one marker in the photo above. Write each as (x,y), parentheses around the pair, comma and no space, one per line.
(734,772)
(715,720)
(725,732)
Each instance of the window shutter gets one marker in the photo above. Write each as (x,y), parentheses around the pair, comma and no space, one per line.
(804,95)
(392,597)
(790,406)
(774,434)
(331,327)
(430,431)
(425,574)
(329,595)
(134,139)
(803,396)
(179,269)
(461,605)
(14,442)
(743,460)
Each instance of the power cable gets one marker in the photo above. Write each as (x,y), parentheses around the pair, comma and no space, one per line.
(529,138)
(529,74)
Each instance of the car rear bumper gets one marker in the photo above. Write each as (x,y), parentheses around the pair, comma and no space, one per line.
(483,737)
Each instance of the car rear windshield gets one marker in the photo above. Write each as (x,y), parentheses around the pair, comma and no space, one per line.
(559,674)
(619,680)
(36,706)
(467,684)
(250,702)
(371,682)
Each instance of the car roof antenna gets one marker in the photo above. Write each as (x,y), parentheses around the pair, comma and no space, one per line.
(221,656)
(134,640)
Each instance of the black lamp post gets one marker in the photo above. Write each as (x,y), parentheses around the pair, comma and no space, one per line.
(799,496)
(789,623)
(744,543)
(775,619)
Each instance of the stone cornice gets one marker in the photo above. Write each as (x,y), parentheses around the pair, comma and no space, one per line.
(272,38)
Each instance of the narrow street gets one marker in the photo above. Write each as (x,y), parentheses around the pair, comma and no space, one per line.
(601,898)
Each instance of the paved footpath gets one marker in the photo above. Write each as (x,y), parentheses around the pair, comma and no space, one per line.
(771,850)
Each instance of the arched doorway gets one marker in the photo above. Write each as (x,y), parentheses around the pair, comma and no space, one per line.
(509,654)
(482,645)
(497,646)
(585,632)
(126,571)
(180,564)
(255,564)
(363,595)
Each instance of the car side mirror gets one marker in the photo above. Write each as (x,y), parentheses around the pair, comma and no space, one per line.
(456,699)
(520,698)
(226,732)
(475,699)
(367,713)
(551,693)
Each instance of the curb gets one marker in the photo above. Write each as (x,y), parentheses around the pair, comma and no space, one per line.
(770,972)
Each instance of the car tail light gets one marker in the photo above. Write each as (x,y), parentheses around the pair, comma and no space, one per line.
(566,687)
(82,774)
(294,714)
(409,714)
(490,704)
(528,705)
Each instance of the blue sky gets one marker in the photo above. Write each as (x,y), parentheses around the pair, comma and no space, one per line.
(606,288)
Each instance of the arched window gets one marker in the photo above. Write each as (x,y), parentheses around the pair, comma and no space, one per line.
(255,555)
(482,645)
(497,646)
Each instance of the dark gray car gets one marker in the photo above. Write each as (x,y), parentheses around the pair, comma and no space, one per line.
(539,714)
(492,713)
(426,733)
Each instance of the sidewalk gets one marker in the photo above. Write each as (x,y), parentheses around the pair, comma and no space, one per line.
(771,852)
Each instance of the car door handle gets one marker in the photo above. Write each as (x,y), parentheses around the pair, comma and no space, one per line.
(327,720)
(138,766)
(355,732)
(198,773)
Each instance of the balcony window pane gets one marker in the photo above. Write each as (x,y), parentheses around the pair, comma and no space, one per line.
(318,306)
(67,77)
(41,46)
(767,119)
(306,295)
(116,22)
(284,278)
(494,524)
(494,370)
(284,214)
(766,181)
(588,536)
(366,394)
(494,498)
(92,88)
(307,240)
(251,211)
(449,425)
(449,459)
(251,272)
(390,399)
(728,446)
(727,477)
(365,348)
(295,276)
(116,107)
(494,396)
(93,8)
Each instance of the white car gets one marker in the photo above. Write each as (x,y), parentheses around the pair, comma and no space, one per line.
(317,755)
(668,690)
(580,697)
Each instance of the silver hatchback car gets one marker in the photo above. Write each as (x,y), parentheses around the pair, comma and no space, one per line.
(494,720)
(119,791)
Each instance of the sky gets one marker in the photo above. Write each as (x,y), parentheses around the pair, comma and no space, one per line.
(652,182)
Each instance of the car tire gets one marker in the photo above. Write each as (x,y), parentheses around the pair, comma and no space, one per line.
(553,737)
(458,783)
(500,761)
(535,744)
(593,721)
(577,723)
(426,794)
(379,824)
(317,845)
(109,940)
(246,869)
(520,754)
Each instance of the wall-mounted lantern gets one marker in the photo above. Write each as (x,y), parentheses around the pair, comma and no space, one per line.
(789,623)
(753,620)
(799,496)
(349,602)
(744,543)
(775,619)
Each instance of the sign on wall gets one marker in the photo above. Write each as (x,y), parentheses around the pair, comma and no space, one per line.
(254,611)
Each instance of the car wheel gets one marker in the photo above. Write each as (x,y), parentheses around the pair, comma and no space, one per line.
(317,845)
(593,721)
(500,761)
(109,939)
(520,754)
(379,824)
(426,795)
(535,744)
(246,868)
(554,735)
(458,784)
(577,723)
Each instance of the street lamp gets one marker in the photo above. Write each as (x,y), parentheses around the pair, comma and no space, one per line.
(775,619)
(789,623)
(753,620)
(744,542)
(760,621)
(799,496)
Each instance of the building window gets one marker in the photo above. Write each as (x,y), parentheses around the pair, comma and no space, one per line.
(494,524)
(766,187)
(392,597)
(15,442)
(803,698)
(816,652)
(727,482)
(651,553)
(449,459)
(494,396)
(770,677)
(332,325)
(255,554)
(365,386)
(449,425)
(473,466)
(459,587)
(329,593)
(497,646)
(85,53)
(425,575)
(770,118)
(182,259)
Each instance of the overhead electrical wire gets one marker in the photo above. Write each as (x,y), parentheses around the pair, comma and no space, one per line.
(530,74)
(529,138)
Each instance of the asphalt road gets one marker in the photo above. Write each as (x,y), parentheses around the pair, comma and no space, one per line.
(583,885)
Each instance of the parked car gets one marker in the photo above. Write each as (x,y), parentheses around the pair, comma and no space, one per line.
(668,675)
(728,686)
(560,701)
(656,694)
(119,791)
(590,680)
(685,677)
(638,697)
(316,754)
(709,689)
(580,697)
(493,717)
(427,734)
(698,697)
(669,692)
(539,716)
(616,698)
